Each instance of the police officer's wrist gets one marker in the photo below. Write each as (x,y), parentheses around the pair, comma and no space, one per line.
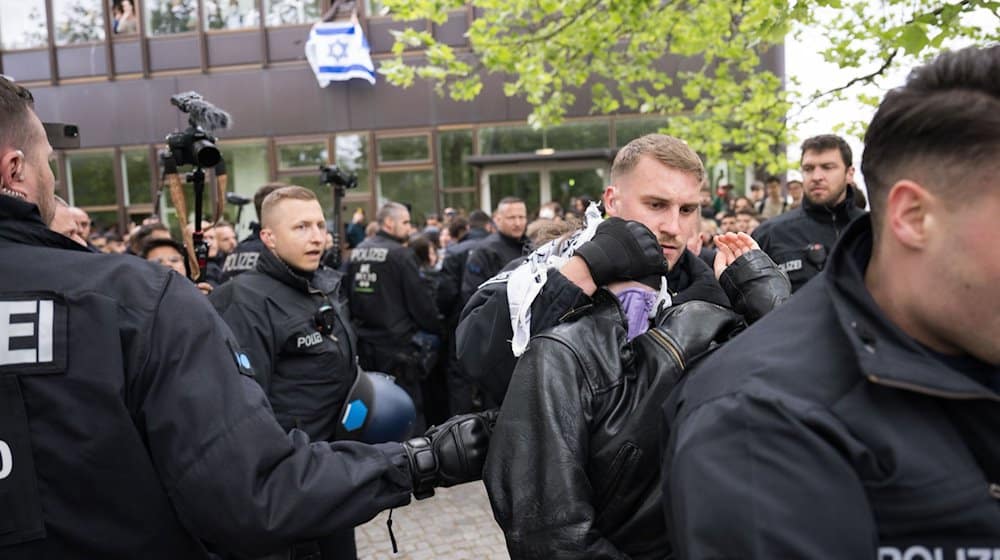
(423,466)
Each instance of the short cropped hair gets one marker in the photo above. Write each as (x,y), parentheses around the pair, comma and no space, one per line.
(389,210)
(508,200)
(825,142)
(277,196)
(261,194)
(671,152)
(16,106)
(941,128)
(458,227)
(478,219)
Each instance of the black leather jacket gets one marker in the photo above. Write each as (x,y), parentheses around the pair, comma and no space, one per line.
(574,467)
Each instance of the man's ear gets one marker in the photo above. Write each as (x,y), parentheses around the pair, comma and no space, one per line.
(610,197)
(910,213)
(12,167)
(849,176)
(267,237)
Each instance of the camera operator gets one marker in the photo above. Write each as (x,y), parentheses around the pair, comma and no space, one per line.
(118,443)
(390,303)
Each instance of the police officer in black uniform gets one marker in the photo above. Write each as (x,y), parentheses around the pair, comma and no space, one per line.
(130,424)
(800,240)
(290,317)
(244,257)
(862,419)
(502,246)
(390,303)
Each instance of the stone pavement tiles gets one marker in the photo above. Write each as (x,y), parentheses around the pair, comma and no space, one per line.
(456,524)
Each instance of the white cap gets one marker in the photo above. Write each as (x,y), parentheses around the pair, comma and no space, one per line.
(794,176)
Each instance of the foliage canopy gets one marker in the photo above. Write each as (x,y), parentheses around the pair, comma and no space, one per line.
(720,99)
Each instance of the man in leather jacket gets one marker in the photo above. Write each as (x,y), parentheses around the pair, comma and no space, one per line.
(800,240)
(573,467)
(862,419)
(130,424)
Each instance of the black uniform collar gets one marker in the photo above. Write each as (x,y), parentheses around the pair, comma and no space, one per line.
(515,242)
(386,235)
(691,279)
(475,233)
(885,353)
(20,222)
(271,265)
(843,212)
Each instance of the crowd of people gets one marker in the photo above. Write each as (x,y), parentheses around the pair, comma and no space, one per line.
(661,373)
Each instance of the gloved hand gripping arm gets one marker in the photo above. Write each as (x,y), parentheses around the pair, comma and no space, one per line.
(450,454)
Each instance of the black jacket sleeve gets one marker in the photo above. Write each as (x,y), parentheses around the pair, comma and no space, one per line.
(536,470)
(484,333)
(234,476)
(756,476)
(252,329)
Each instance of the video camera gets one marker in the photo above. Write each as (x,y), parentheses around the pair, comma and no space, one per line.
(333,175)
(195,146)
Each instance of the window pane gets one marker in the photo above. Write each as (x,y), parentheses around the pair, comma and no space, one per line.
(22,24)
(164,17)
(570,183)
(246,171)
(464,202)
(453,145)
(231,14)
(409,148)
(123,18)
(288,12)
(627,130)
(526,186)
(78,21)
(310,155)
(135,174)
(91,178)
(509,139)
(415,188)
(578,136)
(352,157)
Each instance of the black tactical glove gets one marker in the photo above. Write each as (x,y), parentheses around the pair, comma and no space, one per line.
(623,250)
(691,327)
(755,285)
(450,454)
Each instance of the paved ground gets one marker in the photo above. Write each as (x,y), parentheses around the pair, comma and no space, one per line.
(456,524)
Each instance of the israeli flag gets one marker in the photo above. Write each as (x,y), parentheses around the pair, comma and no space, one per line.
(338,51)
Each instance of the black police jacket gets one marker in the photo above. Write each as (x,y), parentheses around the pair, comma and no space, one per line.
(244,257)
(824,431)
(130,425)
(800,240)
(573,466)
(389,300)
(449,292)
(489,257)
(304,358)
(484,332)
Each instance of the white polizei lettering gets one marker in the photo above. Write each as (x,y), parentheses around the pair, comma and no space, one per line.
(10,330)
(889,553)
(790,266)
(370,254)
(6,460)
(922,553)
(45,331)
(309,340)
(977,553)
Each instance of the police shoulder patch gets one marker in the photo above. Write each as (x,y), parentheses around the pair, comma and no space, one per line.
(242,359)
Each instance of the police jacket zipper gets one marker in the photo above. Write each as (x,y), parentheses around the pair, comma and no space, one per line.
(931,392)
(666,343)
